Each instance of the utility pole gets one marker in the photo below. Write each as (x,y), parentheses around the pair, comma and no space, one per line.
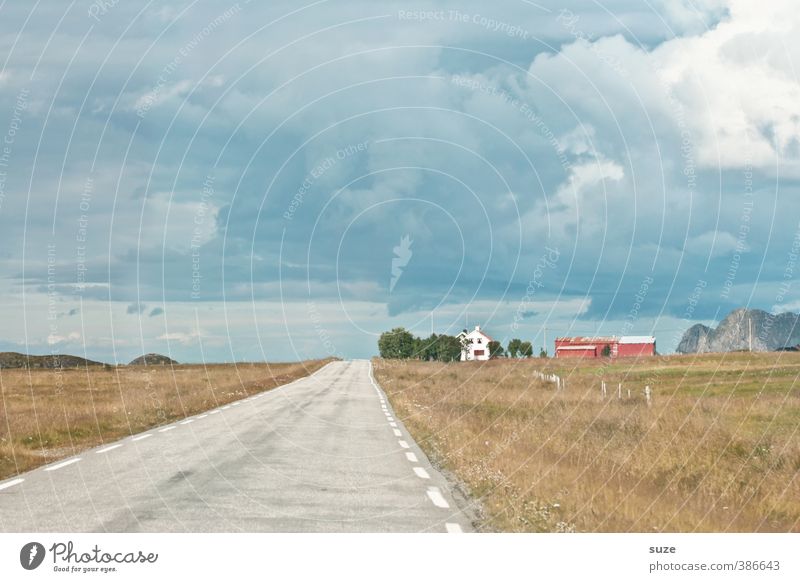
(545,337)
(750,333)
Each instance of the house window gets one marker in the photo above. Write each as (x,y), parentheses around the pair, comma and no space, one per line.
(478,352)
(479,340)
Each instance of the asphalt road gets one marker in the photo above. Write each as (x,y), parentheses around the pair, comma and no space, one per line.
(322,454)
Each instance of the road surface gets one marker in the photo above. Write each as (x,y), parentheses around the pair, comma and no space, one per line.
(322,454)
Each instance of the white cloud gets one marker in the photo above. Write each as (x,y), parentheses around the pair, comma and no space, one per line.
(733,88)
(54,338)
(715,244)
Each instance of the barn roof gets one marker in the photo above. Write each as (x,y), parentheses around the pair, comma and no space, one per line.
(585,340)
(637,339)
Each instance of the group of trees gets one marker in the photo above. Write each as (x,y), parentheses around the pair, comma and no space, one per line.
(519,349)
(401,344)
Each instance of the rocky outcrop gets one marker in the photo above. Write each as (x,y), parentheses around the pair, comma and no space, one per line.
(743,329)
(694,340)
(153,360)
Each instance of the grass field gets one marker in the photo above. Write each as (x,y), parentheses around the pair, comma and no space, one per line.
(50,414)
(717,450)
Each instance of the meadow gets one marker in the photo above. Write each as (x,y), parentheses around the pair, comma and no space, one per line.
(716,450)
(48,414)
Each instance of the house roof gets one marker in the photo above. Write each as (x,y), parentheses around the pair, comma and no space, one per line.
(477,332)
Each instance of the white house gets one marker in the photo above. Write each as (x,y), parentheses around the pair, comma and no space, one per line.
(476,344)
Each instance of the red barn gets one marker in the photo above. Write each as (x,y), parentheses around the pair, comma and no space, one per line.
(584,347)
(595,347)
(637,345)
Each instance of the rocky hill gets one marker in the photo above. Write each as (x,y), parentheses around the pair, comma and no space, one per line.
(17,360)
(153,360)
(767,333)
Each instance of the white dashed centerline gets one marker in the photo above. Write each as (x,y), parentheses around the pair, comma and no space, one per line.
(62,465)
(105,450)
(421,473)
(437,498)
(403,444)
(453,528)
(166,428)
(143,436)
(393,424)
(11,483)
(397,432)
(214,412)
(187,421)
(412,457)
(202,416)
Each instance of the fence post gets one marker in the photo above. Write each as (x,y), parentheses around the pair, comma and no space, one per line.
(647,394)
(619,391)
(629,392)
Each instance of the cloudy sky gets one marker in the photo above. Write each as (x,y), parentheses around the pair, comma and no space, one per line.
(281,180)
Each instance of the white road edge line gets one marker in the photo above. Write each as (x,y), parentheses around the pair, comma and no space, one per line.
(397,432)
(393,424)
(11,483)
(412,457)
(144,436)
(214,412)
(201,416)
(453,528)
(403,444)
(187,421)
(421,473)
(110,448)
(61,465)
(436,497)
(166,428)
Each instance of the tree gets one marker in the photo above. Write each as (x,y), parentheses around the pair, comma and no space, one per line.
(513,347)
(426,349)
(396,344)
(495,349)
(606,350)
(526,349)
(542,353)
(448,348)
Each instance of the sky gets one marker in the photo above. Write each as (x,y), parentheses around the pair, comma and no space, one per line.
(286,180)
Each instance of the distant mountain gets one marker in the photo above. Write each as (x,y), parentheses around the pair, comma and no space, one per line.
(767,333)
(17,360)
(153,360)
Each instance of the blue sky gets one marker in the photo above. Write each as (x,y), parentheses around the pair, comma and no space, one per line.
(223,181)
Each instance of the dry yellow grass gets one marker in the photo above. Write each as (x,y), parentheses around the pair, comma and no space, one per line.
(49,414)
(718,450)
